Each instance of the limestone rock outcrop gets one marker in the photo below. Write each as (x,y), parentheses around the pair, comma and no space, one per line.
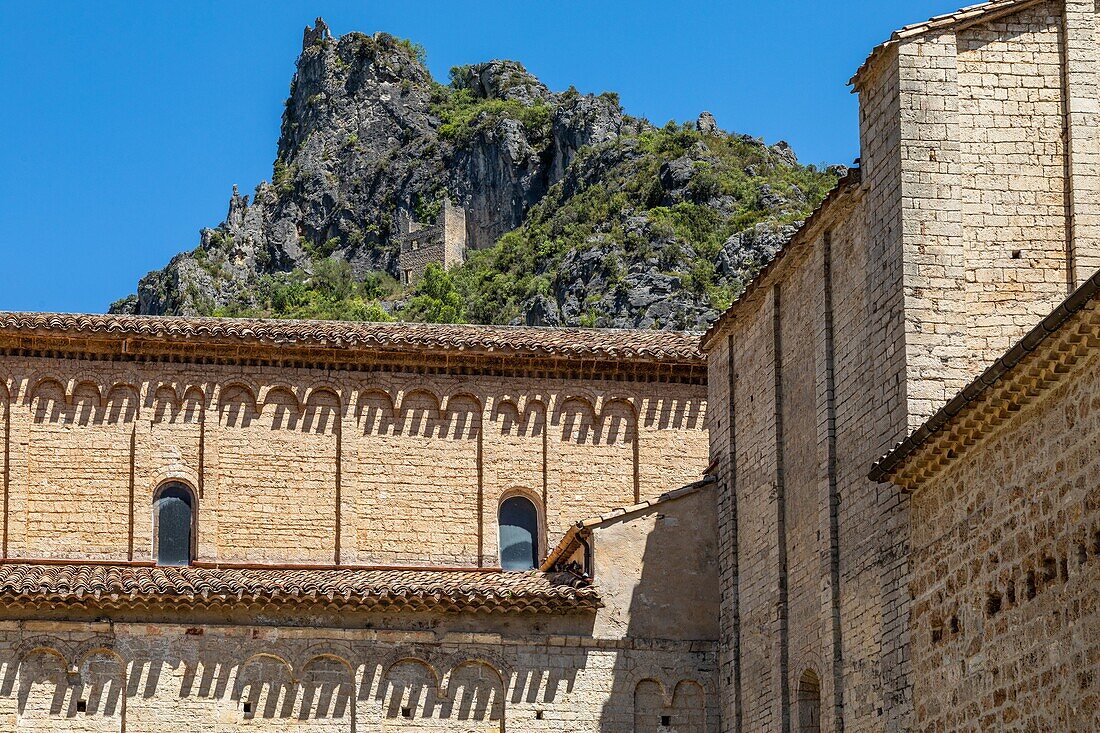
(369,140)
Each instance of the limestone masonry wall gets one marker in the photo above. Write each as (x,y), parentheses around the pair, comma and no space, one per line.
(1012,164)
(100,677)
(972,219)
(311,466)
(1006,547)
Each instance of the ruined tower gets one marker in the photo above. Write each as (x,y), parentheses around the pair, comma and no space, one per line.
(443,242)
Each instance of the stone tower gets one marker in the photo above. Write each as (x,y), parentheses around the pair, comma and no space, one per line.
(974,213)
(443,242)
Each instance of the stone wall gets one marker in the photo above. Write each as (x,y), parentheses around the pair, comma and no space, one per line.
(1012,165)
(317,466)
(999,221)
(657,571)
(792,409)
(93,677)
(972,221)
(646,660)
(442,242)
(1006,557)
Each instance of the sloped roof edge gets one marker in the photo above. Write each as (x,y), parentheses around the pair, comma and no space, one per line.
(672,347)
(843,187)
(133,585)
(886,466)
(961,17)
(564,546)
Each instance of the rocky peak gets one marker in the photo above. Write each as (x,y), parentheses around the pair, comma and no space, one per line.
(317,34)
(506,80)
(609,221)
(706,124)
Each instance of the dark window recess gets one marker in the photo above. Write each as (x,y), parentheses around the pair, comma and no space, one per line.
(809,703)
(406,712)
(955,624)
(1050,569)
(174,519)
(993,604)
(538,715)
(1031,584)
(519,533)
(666,721)
(81,706)
(1016,254)
(248,708)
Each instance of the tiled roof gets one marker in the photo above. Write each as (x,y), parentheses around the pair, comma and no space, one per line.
(1049,349)
(969,13)
(848,183)
(566,545)
(126,586)
(575,343)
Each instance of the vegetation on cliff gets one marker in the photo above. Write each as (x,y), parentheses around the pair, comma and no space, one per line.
(577,213)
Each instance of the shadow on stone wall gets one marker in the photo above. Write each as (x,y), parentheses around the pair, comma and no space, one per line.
(51,685)
(673,608)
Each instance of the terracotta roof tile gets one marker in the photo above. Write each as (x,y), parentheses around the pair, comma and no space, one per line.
(118,586)
(580,343)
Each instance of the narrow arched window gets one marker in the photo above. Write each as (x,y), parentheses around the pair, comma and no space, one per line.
(174,522)
(809,703)
(519,534)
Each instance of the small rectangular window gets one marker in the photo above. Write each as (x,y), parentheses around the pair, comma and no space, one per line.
(666,721)
(81,706)
(406,712)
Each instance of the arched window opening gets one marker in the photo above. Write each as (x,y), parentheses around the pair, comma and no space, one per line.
(809,703)
(519,534)
(173,513)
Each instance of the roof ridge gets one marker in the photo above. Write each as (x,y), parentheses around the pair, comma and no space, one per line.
(336,322)
(936,22)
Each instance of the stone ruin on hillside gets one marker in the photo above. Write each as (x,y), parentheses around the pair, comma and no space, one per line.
(443,242)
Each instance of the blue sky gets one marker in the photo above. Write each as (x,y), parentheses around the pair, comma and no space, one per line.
(125,125)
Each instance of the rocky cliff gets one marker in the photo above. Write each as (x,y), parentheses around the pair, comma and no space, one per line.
(576,213)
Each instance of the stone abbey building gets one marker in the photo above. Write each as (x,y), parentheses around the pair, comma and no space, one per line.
(952,586)
(237,525)
(865,500)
